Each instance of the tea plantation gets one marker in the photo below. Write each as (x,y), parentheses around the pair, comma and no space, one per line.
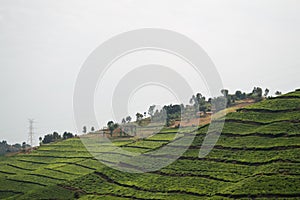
(256,157)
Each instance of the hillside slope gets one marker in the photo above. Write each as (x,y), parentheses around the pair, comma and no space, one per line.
(257,156)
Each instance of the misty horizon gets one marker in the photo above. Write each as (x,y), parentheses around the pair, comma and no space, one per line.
(44,44)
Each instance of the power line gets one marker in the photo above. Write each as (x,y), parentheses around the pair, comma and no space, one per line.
(30,134)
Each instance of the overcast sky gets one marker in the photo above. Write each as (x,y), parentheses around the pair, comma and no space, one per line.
(43,45)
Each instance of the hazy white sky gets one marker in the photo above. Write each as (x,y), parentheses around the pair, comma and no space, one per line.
(44,43)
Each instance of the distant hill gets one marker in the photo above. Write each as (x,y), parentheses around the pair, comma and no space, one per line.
(256,157)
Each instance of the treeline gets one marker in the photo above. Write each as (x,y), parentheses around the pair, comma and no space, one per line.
(10,148)
(199,106)
(54,137)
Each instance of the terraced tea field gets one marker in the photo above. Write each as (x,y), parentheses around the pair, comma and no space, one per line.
(256,157)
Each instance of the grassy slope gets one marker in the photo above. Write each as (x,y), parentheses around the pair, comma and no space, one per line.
(257,156)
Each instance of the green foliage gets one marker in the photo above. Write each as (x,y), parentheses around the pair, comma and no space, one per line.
(276,104)
(291,94)
(257,156)
(55,137)
(7,148)
(265,117)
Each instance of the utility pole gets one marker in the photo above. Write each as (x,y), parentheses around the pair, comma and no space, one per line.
(30,135)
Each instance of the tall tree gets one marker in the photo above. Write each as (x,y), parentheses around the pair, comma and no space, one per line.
(139,116)
(257,92)
(84,129)
(266,92)
(151,110)
(24,146)
(67,135)
(111,127)
(225,92)
(193,100)
(128,119)
(238,94)
(56,136)
(201,103)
